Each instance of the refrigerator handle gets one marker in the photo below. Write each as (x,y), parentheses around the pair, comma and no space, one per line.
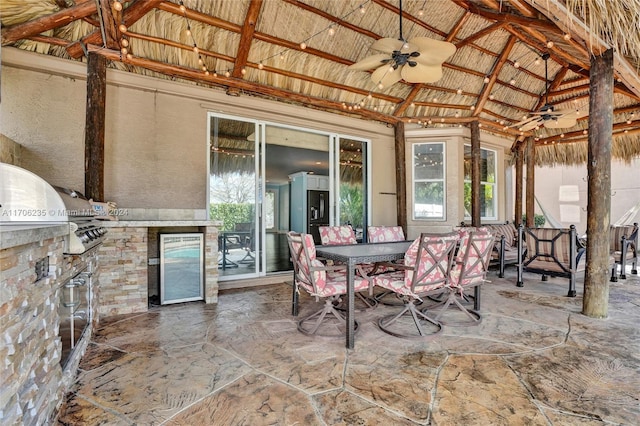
(322,206)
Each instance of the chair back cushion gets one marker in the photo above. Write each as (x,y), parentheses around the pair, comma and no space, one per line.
(547,243)
(508,230)
(382,234)
(430,258)
(472,258)
(337,235)
(615,236)
(303,255)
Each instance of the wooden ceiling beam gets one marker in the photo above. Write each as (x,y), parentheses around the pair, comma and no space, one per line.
(568,91)
(204,52)
(486,31)
(579,135)
(130,15)
(404,105)
(457,27)
(333,19)
(194,75)
(109,21)
(37,26)
(246,37)
(493,76)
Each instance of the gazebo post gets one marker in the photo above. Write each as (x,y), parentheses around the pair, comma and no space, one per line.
(475,174)
(596,282)
(95,127)
(517,220)
(531,166)
(401,183)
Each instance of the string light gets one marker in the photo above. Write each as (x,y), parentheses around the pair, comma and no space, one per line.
(117,5)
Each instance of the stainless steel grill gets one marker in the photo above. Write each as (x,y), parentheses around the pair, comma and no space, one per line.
(28,200)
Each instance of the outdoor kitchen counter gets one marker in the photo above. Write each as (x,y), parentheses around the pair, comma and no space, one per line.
(18,235)
(128,260)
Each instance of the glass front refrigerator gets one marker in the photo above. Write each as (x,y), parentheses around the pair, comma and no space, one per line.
(181,268)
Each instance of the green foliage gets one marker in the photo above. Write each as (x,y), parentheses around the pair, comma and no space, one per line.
(538,220)
(230,214)
(351,205)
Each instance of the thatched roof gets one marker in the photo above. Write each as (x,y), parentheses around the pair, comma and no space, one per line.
(298,51)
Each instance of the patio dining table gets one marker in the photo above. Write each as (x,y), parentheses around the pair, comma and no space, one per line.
(354,254)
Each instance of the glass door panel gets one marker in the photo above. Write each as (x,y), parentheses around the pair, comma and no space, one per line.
(233,190)
(353,188)
(297,193)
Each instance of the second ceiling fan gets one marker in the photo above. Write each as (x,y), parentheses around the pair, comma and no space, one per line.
(548,116)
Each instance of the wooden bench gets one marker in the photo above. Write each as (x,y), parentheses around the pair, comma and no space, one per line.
(505,249)
(550,252)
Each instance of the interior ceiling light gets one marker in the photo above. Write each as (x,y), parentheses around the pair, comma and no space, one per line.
(548,116)
(418,60)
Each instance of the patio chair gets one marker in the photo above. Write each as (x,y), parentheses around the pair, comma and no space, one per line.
(623,248)
(426,271)
(555,252)
(341,235)
(336,235)
(469,271)
(383,234)
(322,282)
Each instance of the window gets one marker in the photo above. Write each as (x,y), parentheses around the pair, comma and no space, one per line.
(488,210)
(428,181)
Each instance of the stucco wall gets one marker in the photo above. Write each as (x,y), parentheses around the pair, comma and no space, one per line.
(155,136)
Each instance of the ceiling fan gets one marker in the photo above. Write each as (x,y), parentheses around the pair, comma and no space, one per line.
(418,60)
(548,115)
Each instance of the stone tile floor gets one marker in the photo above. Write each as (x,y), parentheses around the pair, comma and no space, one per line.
(534,360)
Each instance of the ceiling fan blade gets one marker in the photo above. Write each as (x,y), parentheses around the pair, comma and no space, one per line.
(525,121)
(560,123)
(530,125)
(421,73)
(369,62)
(383,75)
(387,45)
(432,52)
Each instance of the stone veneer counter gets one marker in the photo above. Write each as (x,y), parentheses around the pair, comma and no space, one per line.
(124,259)
(33,382)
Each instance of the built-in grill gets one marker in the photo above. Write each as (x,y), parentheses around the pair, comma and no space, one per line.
(85,230)
(26,199)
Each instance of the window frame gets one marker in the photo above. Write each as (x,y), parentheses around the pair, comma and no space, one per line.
(443,180)
(494,185)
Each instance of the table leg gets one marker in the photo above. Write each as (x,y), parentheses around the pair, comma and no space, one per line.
(350,302)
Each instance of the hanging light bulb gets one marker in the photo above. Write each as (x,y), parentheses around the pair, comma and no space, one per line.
(195,49)
(459,91)
(486,79)
(200,61)
(117,5)
(188,32)
(472,107)
(243,71)
(122,28)
(549,44)
(182,8)
(124,42)
(303,45)
(420,12)
(380,86)
(491,96)
(362,9)
(567,36)
(260,66)
(124,51)
(129,56)
(369,96)
(512,81)
(516,64)
(332,31)
(537,61)
(227,74)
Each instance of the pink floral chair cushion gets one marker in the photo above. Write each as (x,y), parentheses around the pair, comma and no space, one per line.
(427,263)
(314,276)
(337,235)
(382,234)
(472,259)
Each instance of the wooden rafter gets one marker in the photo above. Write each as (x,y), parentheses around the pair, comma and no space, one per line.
(193,75)
(488,87)
(110,19)
(46,23)
(130,15)
(246,37)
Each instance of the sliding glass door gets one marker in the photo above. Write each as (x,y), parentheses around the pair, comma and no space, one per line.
(268,179)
